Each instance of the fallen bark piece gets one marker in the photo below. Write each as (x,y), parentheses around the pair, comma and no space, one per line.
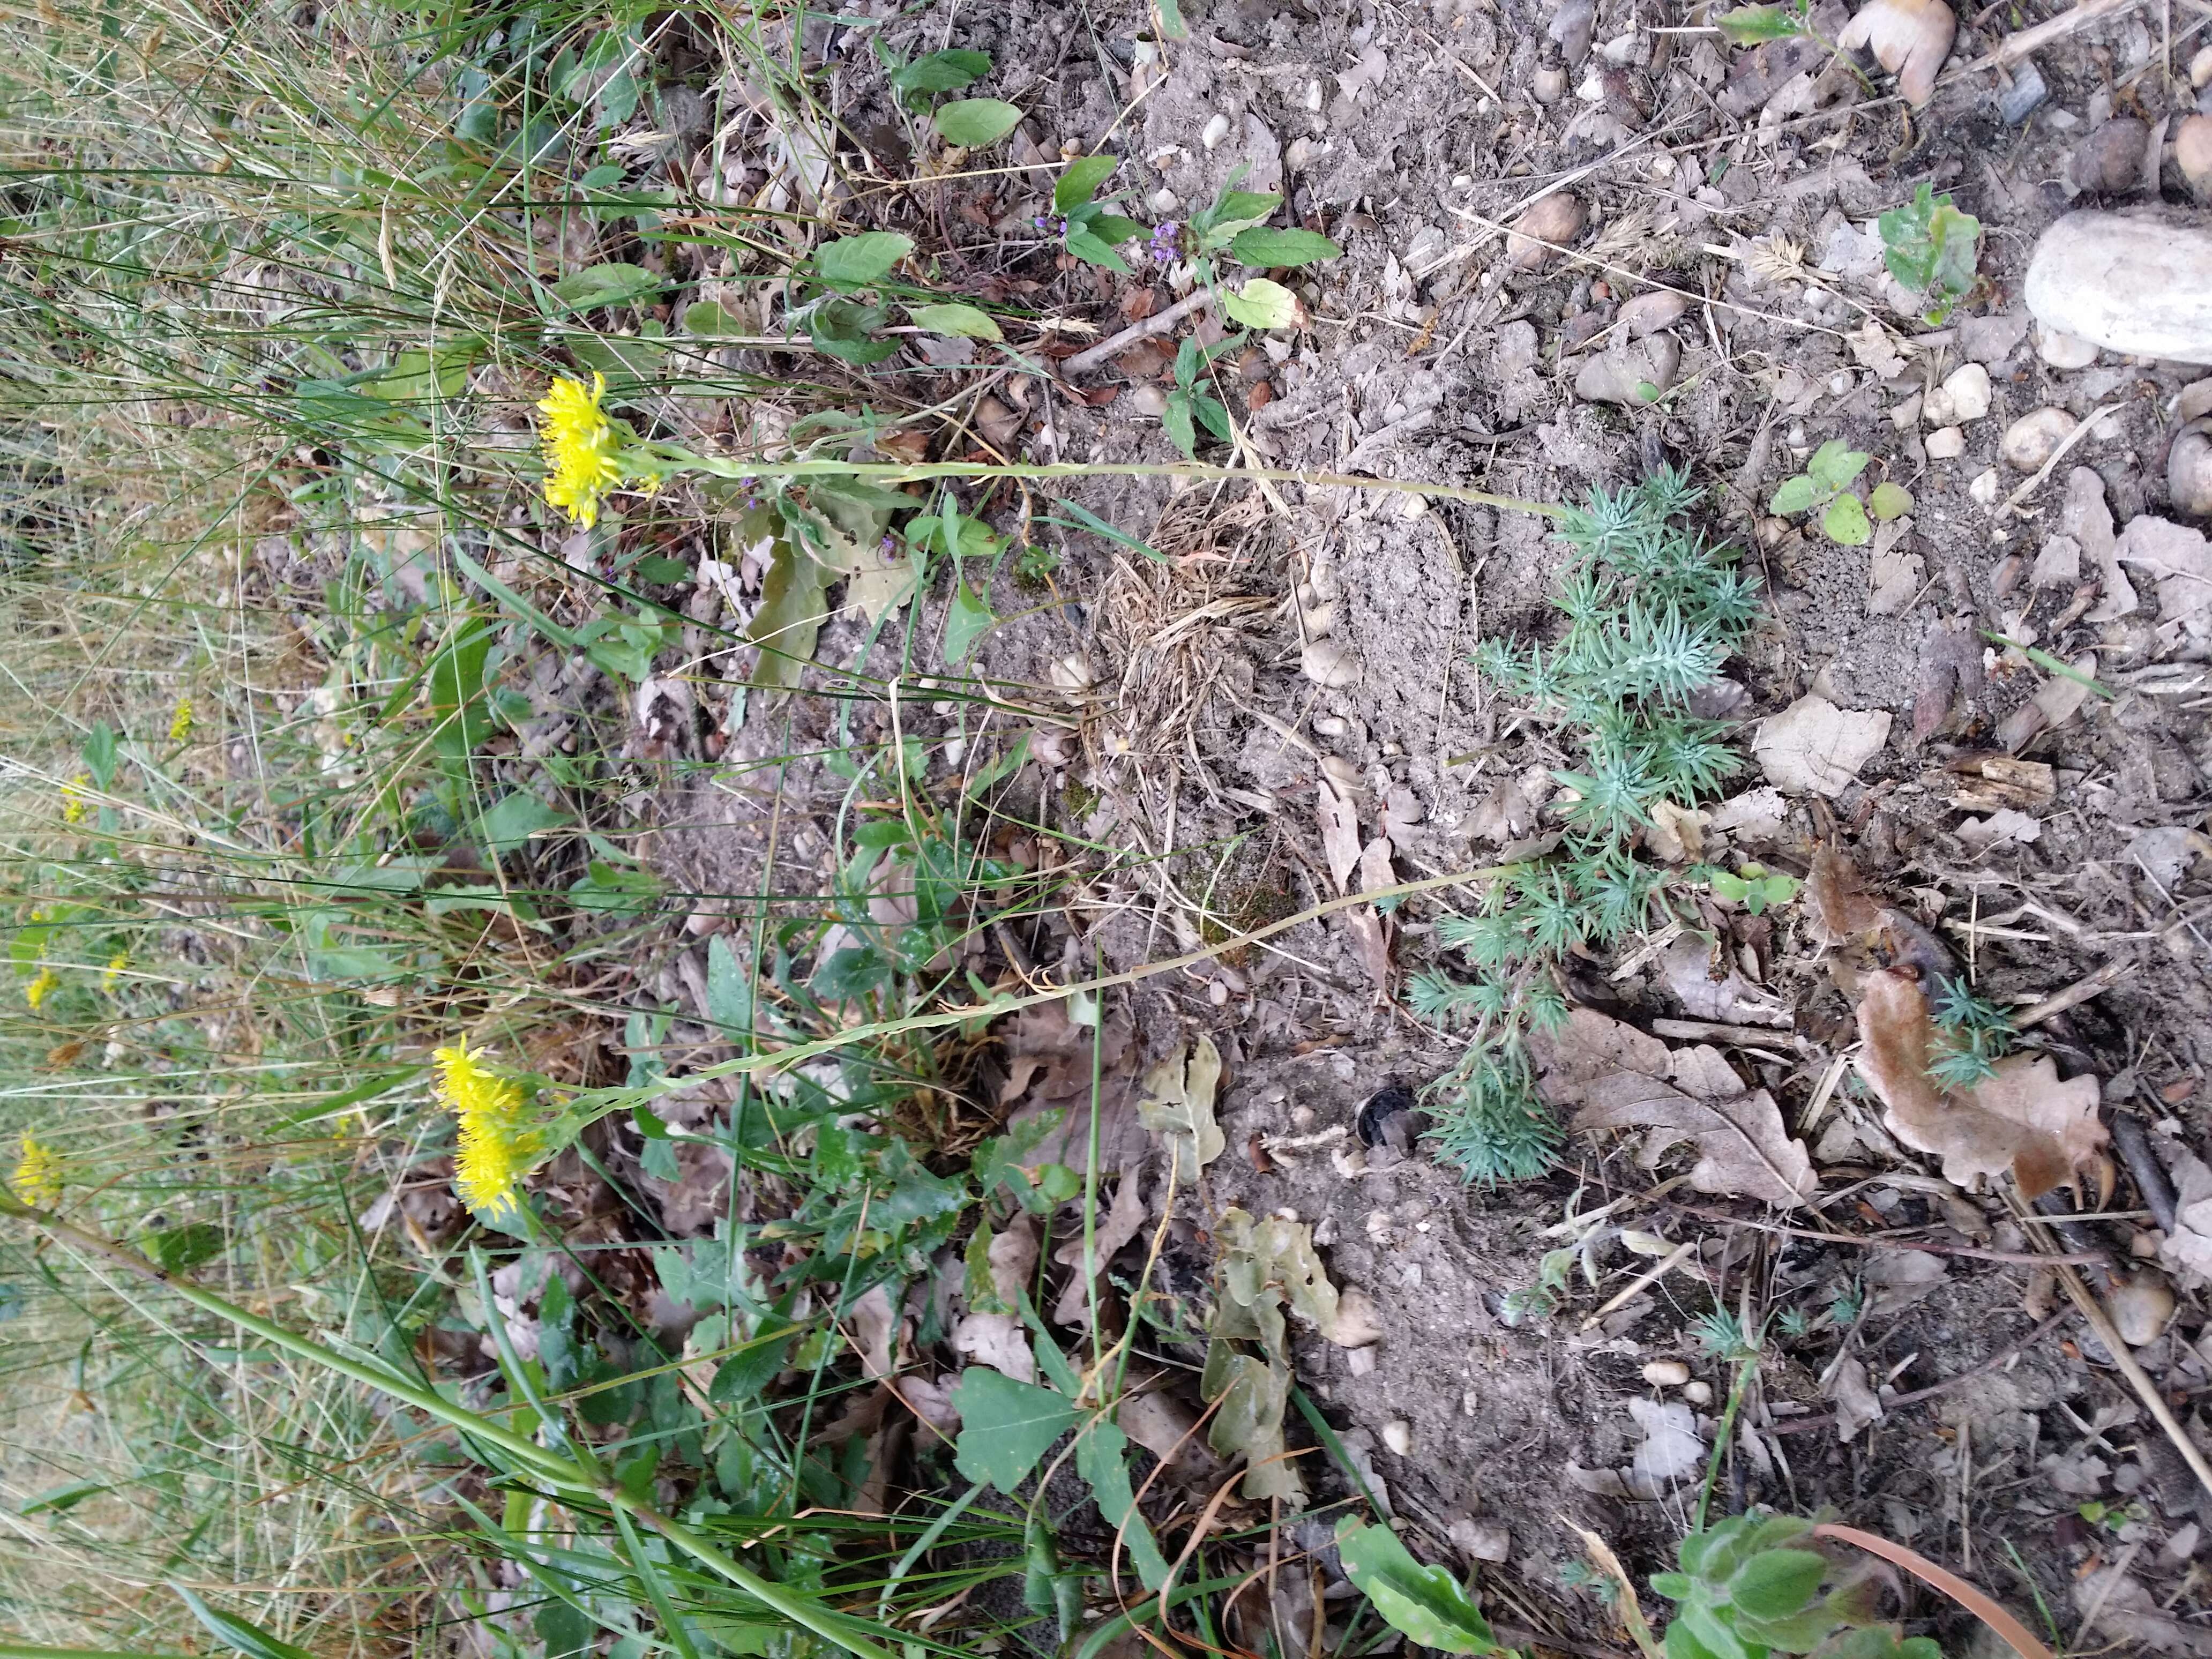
(2023,1120)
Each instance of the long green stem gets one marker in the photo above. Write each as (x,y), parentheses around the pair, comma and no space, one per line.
(1744,1369)
(673,459)
(565,1472)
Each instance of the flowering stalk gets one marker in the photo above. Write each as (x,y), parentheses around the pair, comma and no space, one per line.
(589,454)
(38,1178)
(496,1145)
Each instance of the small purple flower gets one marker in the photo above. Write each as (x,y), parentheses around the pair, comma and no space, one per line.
(889,545)
(1039,222)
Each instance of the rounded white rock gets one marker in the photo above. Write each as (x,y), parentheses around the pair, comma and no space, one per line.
(2134,280)
(2031,441)
(1666,1373)
(1968,386)
(1216,130)
(1328,664)
(2064,350)
(1945,443)
(1397,1436)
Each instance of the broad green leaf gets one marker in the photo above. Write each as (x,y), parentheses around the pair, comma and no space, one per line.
(1006,1426)
(1268,249)
(249,1640)
(1172,28)
(417,376)
(456,694)
(965,321)
(511,821)
(860,261)
(1777,1584)
(790,616)
(942,72)
(1796,495)
(846,331)
(1748,25)
(1080,182)
(1845,522)
(1093,250)
(729,988)
(99,754)
(710,321)
(1239,207)
(1890,501)
(1102,1458)
(972,123)
(1113,229)
(1178,422)
(616,284)
(881,581)
(1835,464)
(1213,414)
(1262,304)
(1425,1603)
(966,621)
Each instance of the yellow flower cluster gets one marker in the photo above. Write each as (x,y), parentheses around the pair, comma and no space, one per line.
(38,1178)
(41,988)
(180,723)
(110,975)
(496,1148)
(73,805)
(583,458)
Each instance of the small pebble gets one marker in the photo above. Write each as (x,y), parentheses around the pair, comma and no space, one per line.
(2063,351)
(1969,388)
(1148,400)
(2142,1307)
(1218,994)
(2030,440)
(1397,1436)
(1549,86)
(2019,101)
(1165,200)
(1945,443)
(1330,725)
(1557,220)
(1983,488)
(1218,129)
(2109,160)
(1666,1373)
(2189,473)
(2200,67)
(1698,1394)
(1328,664)
(2192,150)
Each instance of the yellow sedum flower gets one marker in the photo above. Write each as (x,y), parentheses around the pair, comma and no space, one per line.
(583,457)
(41,988)
(38,1178)
(496,1148)
(73,805)
(112,973)
(180,723)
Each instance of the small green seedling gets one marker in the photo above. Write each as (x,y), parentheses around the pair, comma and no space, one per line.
(1753,886)
(1970,1035)
(1826,483)
(1932,247)
(1754,26)
(1190,404)
(969,123)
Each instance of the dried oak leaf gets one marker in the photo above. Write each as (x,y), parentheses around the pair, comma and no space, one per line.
(1116,1228)
(1813,746)
(1836,901)
(1743,1149)
(1177,1105)
(2023,1119)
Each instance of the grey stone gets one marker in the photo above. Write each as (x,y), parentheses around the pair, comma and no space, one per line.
(2019,101)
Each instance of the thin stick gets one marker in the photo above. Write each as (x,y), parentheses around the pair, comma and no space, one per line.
(2035,1258)
(1158,323)
(2074,995)
(2124,1359)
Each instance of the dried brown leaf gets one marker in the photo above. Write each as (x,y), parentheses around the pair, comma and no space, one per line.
(1836,901)
(1950,667)
(1177,1105)
(1743,1151)
(1116,1228)
(1340,835)
(2023,1120)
